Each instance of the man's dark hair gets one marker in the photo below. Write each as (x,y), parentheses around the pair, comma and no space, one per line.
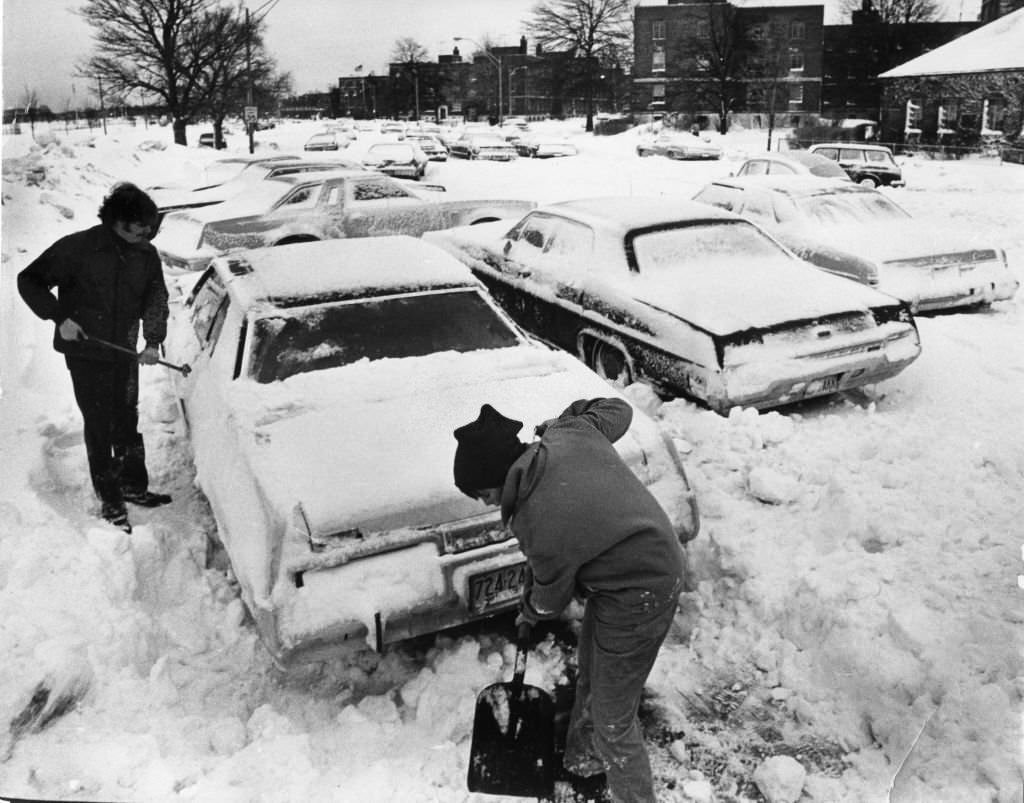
(128,204)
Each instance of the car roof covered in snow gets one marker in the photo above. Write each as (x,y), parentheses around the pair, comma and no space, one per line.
(620,214)
(338,270)
(796,186)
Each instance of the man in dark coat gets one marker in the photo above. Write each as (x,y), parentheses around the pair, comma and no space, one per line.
(108,279)
(588,527)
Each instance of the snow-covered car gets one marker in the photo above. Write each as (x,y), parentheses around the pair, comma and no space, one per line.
(327,379)
(482,146)
(430,144)
(218,171)
(679,145)
(790,163)
(691,300)
(326,141)
(870,165)
(859,233)
(540,146)
(171,200)
(400,159)
(317,206)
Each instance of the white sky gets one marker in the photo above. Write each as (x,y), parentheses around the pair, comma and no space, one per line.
(316,40)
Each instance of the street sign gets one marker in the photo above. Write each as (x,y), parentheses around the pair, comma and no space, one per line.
(250,114)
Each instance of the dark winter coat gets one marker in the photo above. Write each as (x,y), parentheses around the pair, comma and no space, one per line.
(582,518)
(105,285)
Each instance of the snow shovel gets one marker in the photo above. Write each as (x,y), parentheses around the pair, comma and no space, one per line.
(513,745)
(184,370)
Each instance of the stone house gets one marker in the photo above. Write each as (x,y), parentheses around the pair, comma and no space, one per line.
(968,91)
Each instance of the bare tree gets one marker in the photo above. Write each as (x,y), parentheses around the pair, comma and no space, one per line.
(895,12)
(410,54)
(180,51)
(721,48)
(594,32)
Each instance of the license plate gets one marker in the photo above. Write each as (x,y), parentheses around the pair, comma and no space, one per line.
(827,385)
(489,590)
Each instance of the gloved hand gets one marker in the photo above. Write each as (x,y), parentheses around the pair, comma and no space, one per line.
(69,330)
(149,355)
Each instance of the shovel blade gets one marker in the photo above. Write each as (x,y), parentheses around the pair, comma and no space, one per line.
(513,746)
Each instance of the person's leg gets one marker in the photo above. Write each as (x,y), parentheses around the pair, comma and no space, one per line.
(129,448)
(580,757)
(628,635)
(92,381)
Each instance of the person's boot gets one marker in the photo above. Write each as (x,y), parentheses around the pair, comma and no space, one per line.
(145,498)
(116,514)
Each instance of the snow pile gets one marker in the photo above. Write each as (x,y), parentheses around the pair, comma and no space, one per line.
(854,633)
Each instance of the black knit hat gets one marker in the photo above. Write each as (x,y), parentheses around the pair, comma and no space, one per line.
(487,449)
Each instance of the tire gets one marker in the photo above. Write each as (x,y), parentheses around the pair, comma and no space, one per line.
(609,363)
(868,181)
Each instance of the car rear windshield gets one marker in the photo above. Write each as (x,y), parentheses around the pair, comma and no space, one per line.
(326,336)
(849,207)
(670,250)
(880,157)
(396,151)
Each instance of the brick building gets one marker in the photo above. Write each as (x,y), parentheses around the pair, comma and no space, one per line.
(709,58)
(855,55)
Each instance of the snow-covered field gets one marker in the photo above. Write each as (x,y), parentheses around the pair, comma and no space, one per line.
(858,606)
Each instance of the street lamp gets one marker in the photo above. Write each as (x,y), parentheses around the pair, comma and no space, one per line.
(526,97)
(495,60)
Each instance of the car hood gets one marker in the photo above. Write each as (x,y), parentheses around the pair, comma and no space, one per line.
(371,445)
(728,296)
(889,241)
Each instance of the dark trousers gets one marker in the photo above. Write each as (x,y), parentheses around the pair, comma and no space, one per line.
(619,641)
(107,394)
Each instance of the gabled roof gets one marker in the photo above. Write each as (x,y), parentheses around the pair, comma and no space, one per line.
(994,47)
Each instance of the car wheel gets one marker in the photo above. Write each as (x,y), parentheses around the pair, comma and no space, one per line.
(868,181)
(610,364)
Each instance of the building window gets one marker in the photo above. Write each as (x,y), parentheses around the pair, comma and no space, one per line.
(658,59)
(658,30)
(912,117)
(703,30)
(658,91)
(796,60)
(949,111)
(993,115)
(756,33)
(796,29)
(702,63)
(796,95)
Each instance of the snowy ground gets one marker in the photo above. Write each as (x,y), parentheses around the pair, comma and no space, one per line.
(858,607)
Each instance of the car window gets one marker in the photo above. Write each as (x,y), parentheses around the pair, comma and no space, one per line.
(780,169)
(533,231)
(673,252)
(879,157)
(757,206)
(828,153)
(301,198)
(851,155)
(328,336)
(728,198)
(375,189)
(209,306)
(850,208)
(755,167)
(570,242)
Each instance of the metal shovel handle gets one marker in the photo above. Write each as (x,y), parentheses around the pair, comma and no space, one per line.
(183,369)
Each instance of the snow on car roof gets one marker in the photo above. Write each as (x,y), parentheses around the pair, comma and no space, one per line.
(633,211)
(339,269)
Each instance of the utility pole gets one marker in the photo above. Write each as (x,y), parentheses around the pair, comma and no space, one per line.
(249,124)
(103,114)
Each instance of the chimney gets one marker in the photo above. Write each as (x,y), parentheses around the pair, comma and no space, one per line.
(522,45)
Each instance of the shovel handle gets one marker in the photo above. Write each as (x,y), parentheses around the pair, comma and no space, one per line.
(184,369)
(522,648)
